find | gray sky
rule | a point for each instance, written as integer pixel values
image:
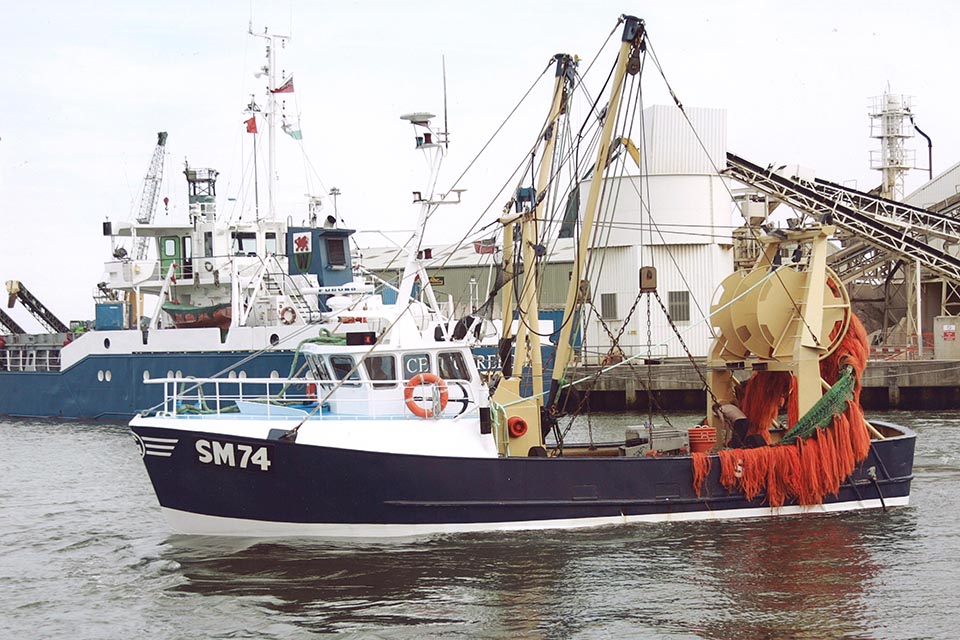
(86, 86)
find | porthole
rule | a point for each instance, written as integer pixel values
(100, 375)
(106, 343)
(243, 375)
(232, 375)
(169, 373)
(274, 374)
(274, 339)
(146, 376)
(108, 376)
(179, 373)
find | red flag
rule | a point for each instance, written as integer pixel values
(286, 87)
(251, 124)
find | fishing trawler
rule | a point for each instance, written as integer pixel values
(211, 295)
(392, 434)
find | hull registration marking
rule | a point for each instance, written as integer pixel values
(230, 454)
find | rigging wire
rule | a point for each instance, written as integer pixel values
(794, 302)
(579, 84)
(483, 148)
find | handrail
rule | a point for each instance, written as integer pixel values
(255, 285)
(191, 396)
(161, 297)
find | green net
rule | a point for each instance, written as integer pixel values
(833, 403)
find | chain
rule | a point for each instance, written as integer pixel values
(690, 357)
(649, 360)
(636, 374)
(647, 385)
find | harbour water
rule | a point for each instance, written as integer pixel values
(84, 554)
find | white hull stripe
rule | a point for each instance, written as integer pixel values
(160, 447)
(196, 524)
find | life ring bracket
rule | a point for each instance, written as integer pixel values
(420, 379)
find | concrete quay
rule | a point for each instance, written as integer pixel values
(887, 384)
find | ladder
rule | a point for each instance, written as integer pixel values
(296, 299)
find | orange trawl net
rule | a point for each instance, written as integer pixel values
(805, 470)
(701, 469)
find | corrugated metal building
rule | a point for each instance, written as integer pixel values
(941, 194)
(674, 214)
(464, 276)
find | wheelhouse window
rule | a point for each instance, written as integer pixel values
(414, 363)
(245, 243)
(342, 366)
(382, 370)
(187, 244)
(320, 371)
(170, 247)
(336, 252)
(452, 366)
(270, 243)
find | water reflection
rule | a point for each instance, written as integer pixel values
(451, 582)
(785, 577)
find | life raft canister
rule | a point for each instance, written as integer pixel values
(423, 379)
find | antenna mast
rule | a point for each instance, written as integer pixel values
(269, 70)
(446, 128)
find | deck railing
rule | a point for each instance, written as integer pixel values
(278, 397)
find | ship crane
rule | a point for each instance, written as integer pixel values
(151, 193)
(44, 316)
(9, 324)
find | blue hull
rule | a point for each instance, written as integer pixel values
(83, 391)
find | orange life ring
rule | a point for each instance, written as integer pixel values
(288, 315)
(312, 392)
(421, 379)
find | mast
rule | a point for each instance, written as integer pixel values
(632, 40)
(432, 145)
(270, 115)
(253, 109)
(528, 330)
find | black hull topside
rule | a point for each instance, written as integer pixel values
(315, 490)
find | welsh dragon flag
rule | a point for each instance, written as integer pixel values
(302, 250)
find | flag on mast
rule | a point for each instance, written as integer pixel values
(286, 87)
(251, 124)
(292, 131)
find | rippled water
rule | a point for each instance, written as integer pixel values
(84, 554)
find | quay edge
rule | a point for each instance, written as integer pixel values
(906, 384)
